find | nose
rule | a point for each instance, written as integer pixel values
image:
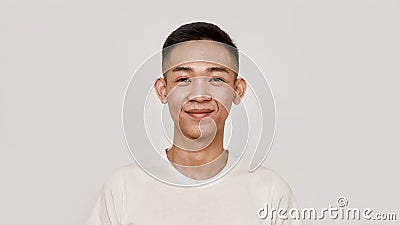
(200, 98)
(199, 91)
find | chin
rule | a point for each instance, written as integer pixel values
(192, 133)
(195, 133)
(194, 129)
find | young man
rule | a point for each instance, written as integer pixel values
(200, 83)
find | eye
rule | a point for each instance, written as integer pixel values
(216, 79)
(183, 80)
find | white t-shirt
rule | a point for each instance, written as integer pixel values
(132, 197)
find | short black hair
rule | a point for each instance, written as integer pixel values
(200, 31)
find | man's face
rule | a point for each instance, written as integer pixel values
(199, 90)
(200, 93)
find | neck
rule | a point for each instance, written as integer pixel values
(200, 164)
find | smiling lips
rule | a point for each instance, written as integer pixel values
(199, 113)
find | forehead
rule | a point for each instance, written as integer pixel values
(200, 67)
(200, 50)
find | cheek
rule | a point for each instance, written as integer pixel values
(223, 113)
(175, 99)
(224, 96)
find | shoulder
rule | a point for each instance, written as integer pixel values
(131, 169)
(123, 176)
(271, 179)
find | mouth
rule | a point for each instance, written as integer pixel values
(199, 113)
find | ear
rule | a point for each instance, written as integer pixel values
(160, 86)
(240, 88)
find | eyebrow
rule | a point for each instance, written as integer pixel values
(210, 69)
(218, 69)
(182, 68)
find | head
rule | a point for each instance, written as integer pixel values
(199, 93)
(199, 31)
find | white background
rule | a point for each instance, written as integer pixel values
(333, 67)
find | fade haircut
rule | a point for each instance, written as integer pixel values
(200, 31)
